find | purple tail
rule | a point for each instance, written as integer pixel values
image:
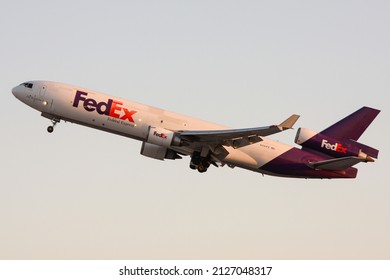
(352, 126)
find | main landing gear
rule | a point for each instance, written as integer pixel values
(50, 128)
(200, 163)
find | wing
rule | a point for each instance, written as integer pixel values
(235, 137)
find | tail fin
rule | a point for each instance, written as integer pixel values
(340, 139)
(352, 126)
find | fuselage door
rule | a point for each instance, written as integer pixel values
(42, 91)
(47, 99)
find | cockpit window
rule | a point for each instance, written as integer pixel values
(28, 85)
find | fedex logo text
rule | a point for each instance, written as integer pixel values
(337, 147)
(111, 108)
(161, 135)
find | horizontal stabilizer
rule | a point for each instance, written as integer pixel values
(337, 163)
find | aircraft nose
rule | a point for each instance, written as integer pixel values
(20, 91)
(16, 91)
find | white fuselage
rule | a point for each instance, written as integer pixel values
(133, 120)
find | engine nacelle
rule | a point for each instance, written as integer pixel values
(162, 137)
(333, 147)
(158, 142)
(158, 152)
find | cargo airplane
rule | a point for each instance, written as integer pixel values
(332, 153)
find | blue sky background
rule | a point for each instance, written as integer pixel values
(85, 194)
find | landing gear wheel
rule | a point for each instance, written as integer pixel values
(193, 166)
(200, 163)
(202, 169)
(54, 121)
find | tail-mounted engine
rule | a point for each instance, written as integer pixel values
(333, 147)
(158, 142)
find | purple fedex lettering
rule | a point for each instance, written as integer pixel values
(161, 135)
(109, 108)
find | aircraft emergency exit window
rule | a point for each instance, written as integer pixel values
(28, 85)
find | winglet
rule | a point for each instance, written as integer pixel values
(287, 124)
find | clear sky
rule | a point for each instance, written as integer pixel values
(80, 193)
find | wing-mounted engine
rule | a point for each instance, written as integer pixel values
(158, 152)
(158, 142)
(322, 143)
(162, 137)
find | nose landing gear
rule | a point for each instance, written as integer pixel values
(50, 128)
